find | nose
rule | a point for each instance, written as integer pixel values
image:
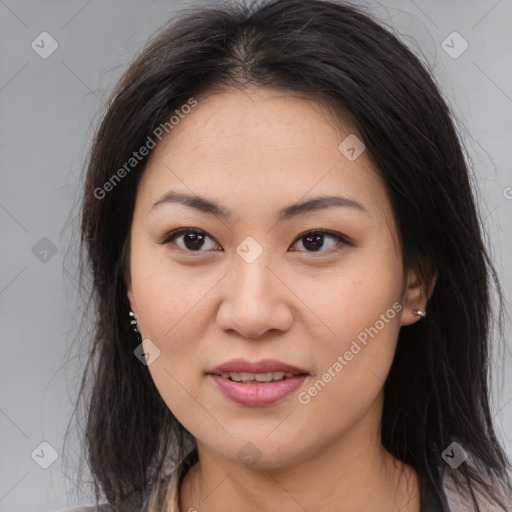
(255, 300)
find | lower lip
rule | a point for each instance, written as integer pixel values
(263, 393)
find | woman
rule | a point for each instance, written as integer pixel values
(292, 292)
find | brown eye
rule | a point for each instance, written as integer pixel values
(315, 241)
(194, 240)
(191, 240)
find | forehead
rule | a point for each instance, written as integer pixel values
(260, 146)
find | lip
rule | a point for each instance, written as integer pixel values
(261, 393)
(258, 394)
(264, 366)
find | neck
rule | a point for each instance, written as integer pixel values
(351, 474)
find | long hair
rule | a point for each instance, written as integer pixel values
(437, 391)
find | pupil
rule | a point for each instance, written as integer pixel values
(195, 239)
(317, 238)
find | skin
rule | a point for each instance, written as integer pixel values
(254, 152)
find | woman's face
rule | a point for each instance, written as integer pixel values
(251, 284)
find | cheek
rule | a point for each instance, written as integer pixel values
(171, 301)
(352, 298)
(360, 308)
(171, 305)
(351, 374)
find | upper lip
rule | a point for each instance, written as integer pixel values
(264, 366)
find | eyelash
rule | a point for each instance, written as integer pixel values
(172, 235)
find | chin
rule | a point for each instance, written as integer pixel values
(258, 452)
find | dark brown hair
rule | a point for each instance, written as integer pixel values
(437, 390)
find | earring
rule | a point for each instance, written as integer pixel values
(420, 313)
(133, 321)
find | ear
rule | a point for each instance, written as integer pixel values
(131, 297)
(417, 294)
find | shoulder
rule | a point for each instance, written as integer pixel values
(460, 500)
(171, 480)
(101, 508)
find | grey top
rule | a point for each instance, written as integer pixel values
(102, 508)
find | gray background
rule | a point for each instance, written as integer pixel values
(48, 109)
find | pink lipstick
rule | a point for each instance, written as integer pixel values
(255, 384)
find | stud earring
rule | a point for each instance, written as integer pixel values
(420, 313)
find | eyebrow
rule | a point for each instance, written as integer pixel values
(211, 207)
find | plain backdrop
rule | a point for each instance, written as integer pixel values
(49, 108)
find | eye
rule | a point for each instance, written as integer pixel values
(314, 240)
(193, 240)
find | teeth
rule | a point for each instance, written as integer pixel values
(256, 377)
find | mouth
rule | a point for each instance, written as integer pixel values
(256, 378)
(256, 384)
